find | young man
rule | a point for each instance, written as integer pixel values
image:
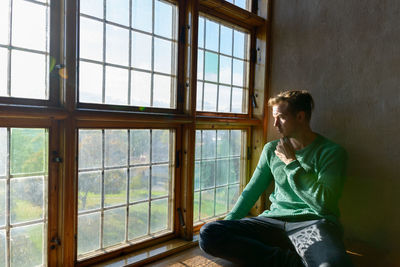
(301, 227)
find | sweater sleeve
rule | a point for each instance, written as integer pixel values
(260, 180)
(322, 189)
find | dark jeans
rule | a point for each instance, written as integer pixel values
(261, 241)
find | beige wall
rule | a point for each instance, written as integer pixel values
(347, 54)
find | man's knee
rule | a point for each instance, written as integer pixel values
(210, 236)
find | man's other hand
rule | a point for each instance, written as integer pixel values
(285, 151)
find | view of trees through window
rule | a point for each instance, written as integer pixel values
(218, 165)
(128, 52)
(124, 185)
(23, 191)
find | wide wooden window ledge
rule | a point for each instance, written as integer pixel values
(150, 254)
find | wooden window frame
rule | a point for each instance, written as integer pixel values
(62, 115)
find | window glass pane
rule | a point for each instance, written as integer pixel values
(142, 15)
(162, 91)
(210, 97)
(140, 88)
(225, 70)
(239, 43)
(200, 64)
(115, 187)
(159, 181)
(116, 152)
(235, 143)
(26, 198)
(226, 40)
(197, 176)
(221, 201)
(3, 151)
(234, 167)
(23, 197)
(3, 71)
(207, 178)
(159, 215)
(114, 226)
(201, 33)
(2, 204)
(241, 3)
(29, 25)
(140, 146)
(223, 143)
(136, 162)
(217, 172)
(222, 172)
(4, 22)
(226, 65)
(141, 50)
(118, 11)
(208, 144)
(28, 75)
(27, 245)
(238, 72)
(117, 45)
(207, 204)
(224, 97)
(116, 86)
(92, 7)
(233, 195)
(139, 183)
(163, 13)
(199, 143)
(138, 220)
(162, 56)
(160, 146)
(89, 190)
(212, 35)
(28, 151)
(90, 39)
(196, 206)
(88, 232)
(237, 100)
(199, 99)
(211, 67)
(90, 149)
(2, 248)
(90, 89)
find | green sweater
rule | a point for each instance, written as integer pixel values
(308, 187)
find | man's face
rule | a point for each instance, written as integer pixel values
(284, 121)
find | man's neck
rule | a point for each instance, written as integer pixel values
(303, 139)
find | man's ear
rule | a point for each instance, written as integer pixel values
(301, 116)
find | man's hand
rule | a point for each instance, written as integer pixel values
(285, 151)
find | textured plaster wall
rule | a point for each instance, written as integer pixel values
(347, 54)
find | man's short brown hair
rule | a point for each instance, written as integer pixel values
(298, 100)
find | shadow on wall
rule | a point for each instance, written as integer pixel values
(369, 210)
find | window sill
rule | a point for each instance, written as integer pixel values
(150, 254)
